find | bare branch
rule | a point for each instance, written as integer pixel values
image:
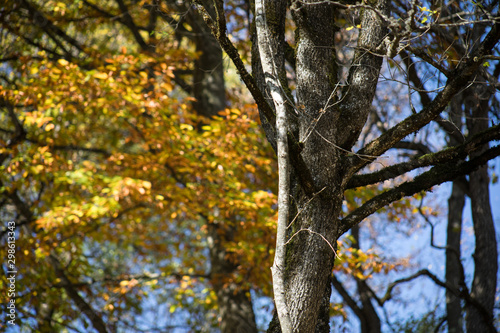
(48, 26)
(219, 31)
(462, 293)
(461, 77)
(444, 156)
(435, 176)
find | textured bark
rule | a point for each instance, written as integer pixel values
(313, 234)
(270, 16)
(309, 255)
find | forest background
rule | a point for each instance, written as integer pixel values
(143, 190)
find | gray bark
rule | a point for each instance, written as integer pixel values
(270, 16)
(313, 234)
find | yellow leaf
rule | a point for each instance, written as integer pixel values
(63, 62)
(101, 75)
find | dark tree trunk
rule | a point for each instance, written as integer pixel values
(484, 284)
(235, 306)
(454, 272)
(208, 74)
(485, 256)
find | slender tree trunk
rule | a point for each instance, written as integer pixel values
(453, 273)
(483, 290)
(486, 253)
(485, 257)
(456, 204)
(270, 16)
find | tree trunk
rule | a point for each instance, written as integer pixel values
(486, 254)
(208, 74)
(323, 128)
(454, 272)
(485, 257)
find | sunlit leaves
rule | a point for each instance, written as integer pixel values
(126, 178)
(361, 264)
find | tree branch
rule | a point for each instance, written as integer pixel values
(461, 293)
(443, 156)
(346, 297)
(461, 75)
(47, 25)
(417, 146)
(82, 305)
(424, 96)
(129, 23)
(428, 59)
(363, 74)
(218, 28)
(69, 147)
(435, 176)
